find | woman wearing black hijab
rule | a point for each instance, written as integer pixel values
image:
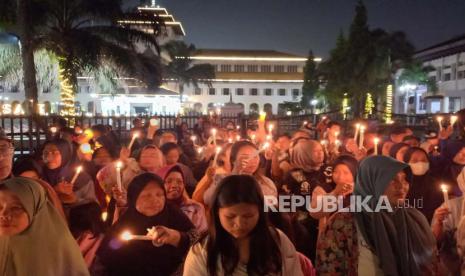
(59, 171)
(424, 192)
(147, 208)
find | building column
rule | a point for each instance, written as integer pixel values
(445, 105)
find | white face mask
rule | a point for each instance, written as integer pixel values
(419, 168)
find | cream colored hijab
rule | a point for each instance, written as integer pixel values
(46, 247)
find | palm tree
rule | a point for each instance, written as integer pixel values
(84, 35)
(181, 69)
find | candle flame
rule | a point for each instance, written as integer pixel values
(79, 169)
(444, 188)
(230, 140)
(135, 135)
(126, 236)
(213, 131)
(238, 137)
(305, 123)
(119, 164)
(376, 140)
(53, 129)
(199, 150)
(218, 149)
(357, 125)
(453, 119)
(193, 138)
(439, 118)
(104, 216)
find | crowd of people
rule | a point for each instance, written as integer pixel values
(191, 201)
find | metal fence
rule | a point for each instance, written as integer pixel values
(29, 132)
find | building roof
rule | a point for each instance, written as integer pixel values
(239, 54)
(446, 48)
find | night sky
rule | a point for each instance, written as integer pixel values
(296, 26)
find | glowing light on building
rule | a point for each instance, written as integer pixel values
(345, 105)
(388, 109)
(66, 94)
(369, 105)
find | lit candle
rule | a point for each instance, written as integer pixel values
(119, 165)
(262, 116)
(376, 140)
(199, 150)
(134, 137)
(214, 135)
(89, 133)
(193, 138)
(357, 129)
(440, 122)
(453, 120)
(253, 138)
(238, 137)
(270, 128)
(127, 236)
(104, 216)
(85, 148)
(230, 140)
(268, 137)
(362, 136)
(304, 123)
(238, 127)
(217, 152)
(78, 171)
(53, 130)
(445, 194)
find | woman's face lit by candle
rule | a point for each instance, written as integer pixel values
(151, 159)
(342, 175)
(151, 200)
(239, 219)
(174, 185)
(245, 155)
(13, 217)
(172, 157)
(459, 158)
(52, 156)
(397, 189)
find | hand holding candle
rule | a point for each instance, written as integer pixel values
(217, 152)
(76, 175)
(270, 129)
(127, 236)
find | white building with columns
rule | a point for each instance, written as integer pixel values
(448, 60)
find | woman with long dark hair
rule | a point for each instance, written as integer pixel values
(240, 239)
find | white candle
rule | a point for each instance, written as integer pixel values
(445, 194)
(453, 120)
(362, 136)
(78, 171)
(213, 131)
(376, 140)
(127, 236)
(440, 122)
(253, 138)
(134, 137)
(357, 129)
(119, 165)
(238, 137)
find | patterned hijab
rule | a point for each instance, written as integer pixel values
(301, 155)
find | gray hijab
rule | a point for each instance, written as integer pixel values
(402, 240)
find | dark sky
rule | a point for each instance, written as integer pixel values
(299, 25)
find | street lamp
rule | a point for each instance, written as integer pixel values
(313, 103)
